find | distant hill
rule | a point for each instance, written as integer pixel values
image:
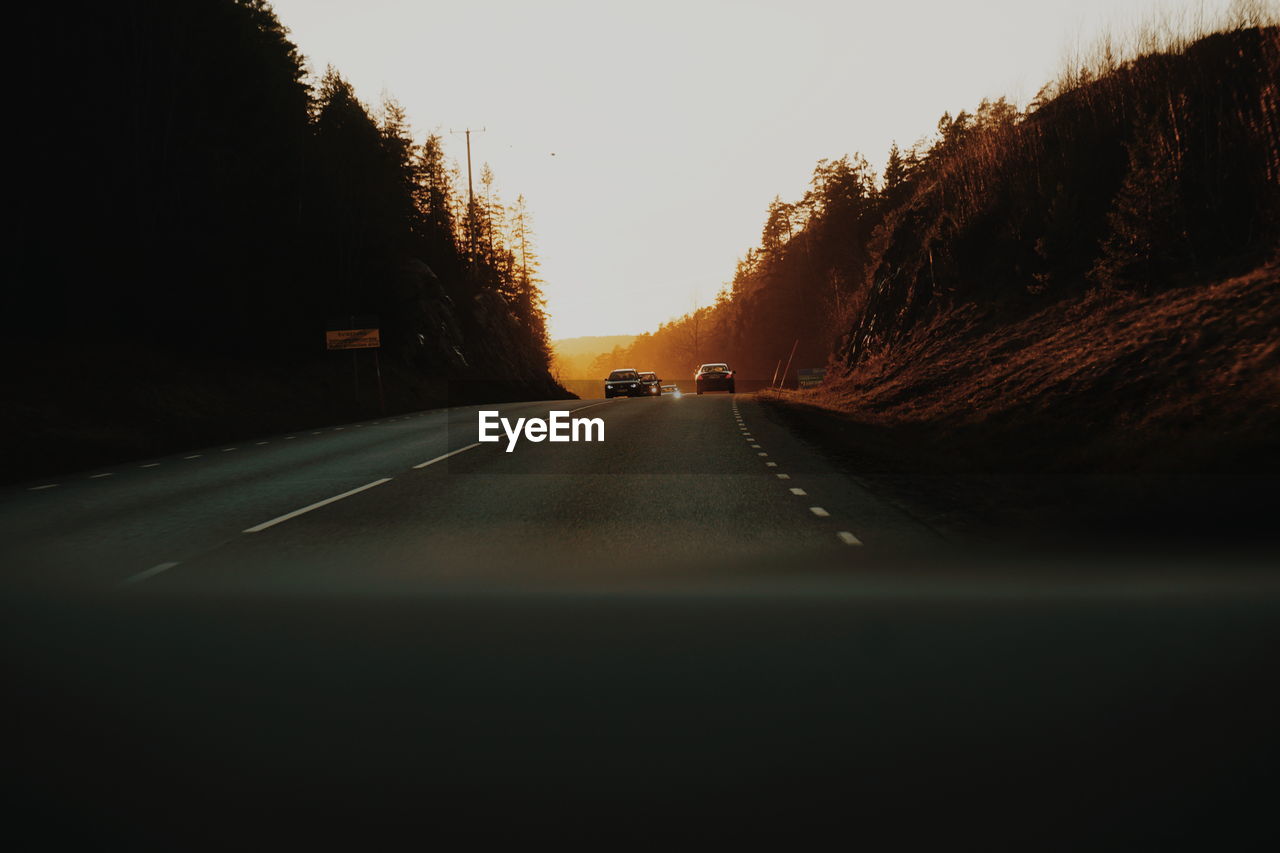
(591, 345)
(574, 360)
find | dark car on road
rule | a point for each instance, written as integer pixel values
(651, 381)
(624, 383)
(714, 377)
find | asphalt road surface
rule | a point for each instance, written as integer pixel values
(385, 627)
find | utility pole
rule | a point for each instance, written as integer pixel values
(788, 367)
(470, 194)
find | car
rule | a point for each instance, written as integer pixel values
(624, 382)
(714, 377)
(651, 381)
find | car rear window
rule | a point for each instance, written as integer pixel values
(622, 374)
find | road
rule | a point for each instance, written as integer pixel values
(685, 484)
(381, 626)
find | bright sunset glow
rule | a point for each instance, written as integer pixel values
(649, 138)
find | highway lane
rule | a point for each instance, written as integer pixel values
(592, 641)
(688, 483)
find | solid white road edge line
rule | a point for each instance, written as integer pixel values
(446, 456)
(297, 512)
(149, 573)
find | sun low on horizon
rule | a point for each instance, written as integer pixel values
(648, 139)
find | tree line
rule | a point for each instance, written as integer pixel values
(183, 186)
(1130, 174)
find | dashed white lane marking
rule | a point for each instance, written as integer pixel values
(756, 446)
(784, 476)
(799, 492)
(150, 465)
(338, 429)
(762, 454)
(447, 455)
(260, 443)
(771, 464)
(589, 405)
(149, 573)
(848, 538)
(45, 486)
(819, 511)
(99, 476)
(194, 456)
(316, 433)
(289, 437)
(229, 449)
(297, 512)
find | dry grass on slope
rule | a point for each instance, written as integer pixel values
(1107, 405)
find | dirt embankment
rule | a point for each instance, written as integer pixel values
(1111, 415)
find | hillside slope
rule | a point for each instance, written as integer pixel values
(1109, 413)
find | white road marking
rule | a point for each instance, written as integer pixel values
(150, 465)
(784, 476)
(149, 573)
(771, 464)
(589, 405)
(297, 512)
(799, 492)
(337, 429)
(819, 511)
(289, 437)
(45, 486)
(99, 476)
(315, 433)
(756, 446)
(446, 456)
(229, 449)
(762, 454)
(260, 443)
(848, 538)
(196, 456)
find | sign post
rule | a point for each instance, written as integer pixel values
(811, 377)
(357, 333)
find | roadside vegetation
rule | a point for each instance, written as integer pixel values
(1086, 284)
(196, 210)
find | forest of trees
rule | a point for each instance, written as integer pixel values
(1126, 174)
(184, 186)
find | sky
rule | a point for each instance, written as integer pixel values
(648, 138)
